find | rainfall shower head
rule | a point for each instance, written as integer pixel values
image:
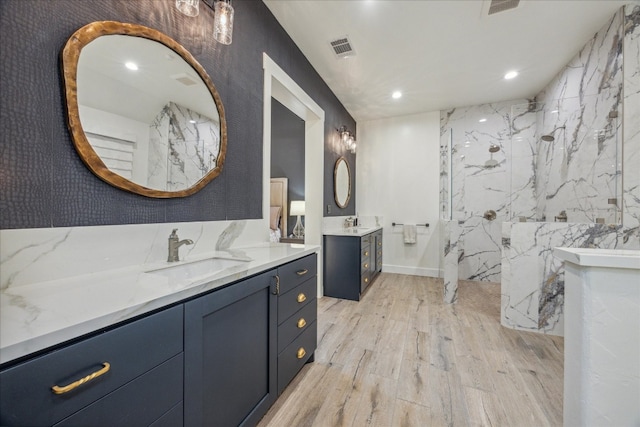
(549, 137)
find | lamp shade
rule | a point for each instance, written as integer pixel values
(297, 208)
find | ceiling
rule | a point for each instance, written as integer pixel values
(439, 53)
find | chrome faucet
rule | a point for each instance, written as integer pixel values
(174, 244)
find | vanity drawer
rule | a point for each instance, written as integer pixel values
(295, 355)
(365, 265)
(296, 272)
(364, 281)
(366, 252)
(130, 404)
(296, 298)
(296, 324)
(365, 240)
(131, 350)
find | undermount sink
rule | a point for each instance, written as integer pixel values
(202, 268)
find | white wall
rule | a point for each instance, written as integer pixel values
(398, 179)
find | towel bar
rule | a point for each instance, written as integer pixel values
(393, 224)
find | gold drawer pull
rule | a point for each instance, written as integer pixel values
(67, 388)
(366, 265)
(301, 352)
(302, 323)
(379, 243)
(302, 272)
(366, 280)
(366, 253)
(302, 297)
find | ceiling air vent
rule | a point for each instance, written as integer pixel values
(185, 79)
(342, 47)
(497, 6)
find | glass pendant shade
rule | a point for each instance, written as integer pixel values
(188, 7)
(223, 22)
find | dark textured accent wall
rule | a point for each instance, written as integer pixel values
(287, 152)
(43, 182)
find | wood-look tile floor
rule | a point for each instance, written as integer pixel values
(401, 357)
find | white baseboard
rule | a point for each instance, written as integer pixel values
(412, 271)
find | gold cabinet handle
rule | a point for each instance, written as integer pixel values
(302, 297)
(366, 280)
(67, 388)
(302, 323)
(366, 265)
(302, 272)
(366, 253)
(379, 243)
(277, 292)
(301, 352)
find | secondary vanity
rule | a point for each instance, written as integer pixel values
(352, 260)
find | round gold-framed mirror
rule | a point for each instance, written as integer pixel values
(143, 114)
(342, 183)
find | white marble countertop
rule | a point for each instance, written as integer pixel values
(351, 231)
(612, 258)
(37, 316)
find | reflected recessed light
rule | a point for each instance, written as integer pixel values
(192, 121)
(482, 120)
(510, 75)
(131, 65)
(397, 94)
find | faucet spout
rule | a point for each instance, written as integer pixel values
(174, 244)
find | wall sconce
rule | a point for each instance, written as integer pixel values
(347, 138)
(223, 16)
(298, 208)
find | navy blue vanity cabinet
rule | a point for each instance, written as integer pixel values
(350, 264)
(297, 314)
(230, 358)
(141, 366)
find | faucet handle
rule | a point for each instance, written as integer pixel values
(174, 234)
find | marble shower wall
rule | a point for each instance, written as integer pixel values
(483, 181)
(533, 279)
(183, 147)
(631, 128)
(581, 170)
(534, 179)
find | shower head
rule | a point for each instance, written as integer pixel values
(549, 137)
(493, 148)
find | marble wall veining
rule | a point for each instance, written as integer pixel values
(533, 278)
(530, 179)
(183, 147)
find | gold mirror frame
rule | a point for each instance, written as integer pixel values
(335, 183)
(70, 58)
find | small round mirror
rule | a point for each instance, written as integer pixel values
(342, 183)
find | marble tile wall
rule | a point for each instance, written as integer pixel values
(37, 255)
(183, 147)
(533, 180)
(631, 128)
(532, 295)
(451, 235)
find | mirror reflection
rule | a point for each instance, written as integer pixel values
(342, 183)
(148, 117)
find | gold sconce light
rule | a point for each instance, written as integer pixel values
(348, 138)
(223, 16)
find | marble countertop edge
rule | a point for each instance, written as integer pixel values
(37, 316)
(351, 231)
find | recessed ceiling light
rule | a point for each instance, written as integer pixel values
(397, 94)
(510, 75)
(131, 65)
(482, 120)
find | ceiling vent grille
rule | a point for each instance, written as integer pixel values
(497, 6)
(342, 47)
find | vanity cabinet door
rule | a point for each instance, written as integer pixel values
(342, 267)
(230, 354)
(134, 354)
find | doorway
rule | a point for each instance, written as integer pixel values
(278, 85)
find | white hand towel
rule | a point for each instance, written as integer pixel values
(409, 232)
